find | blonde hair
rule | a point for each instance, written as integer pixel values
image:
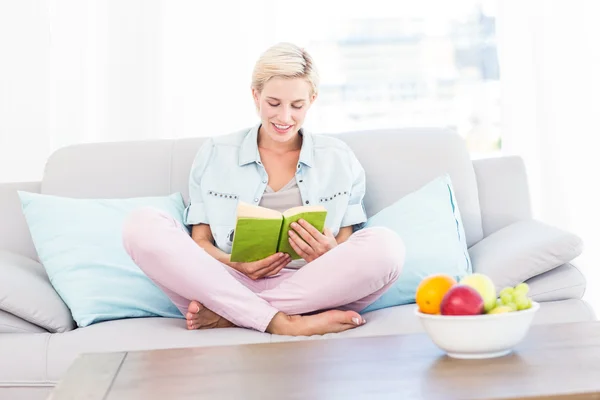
(285, 60)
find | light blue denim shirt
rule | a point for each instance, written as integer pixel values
(228, 169)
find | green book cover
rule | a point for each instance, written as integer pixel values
(261, 232)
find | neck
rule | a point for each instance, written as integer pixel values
(264, 141)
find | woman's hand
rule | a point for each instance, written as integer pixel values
(263, 268)
(308, 242)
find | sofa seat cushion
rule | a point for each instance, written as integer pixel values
(564, 282)
(402, 320)
(138, 334)
(42, 358)
(26, 393)
(23, 358)
(10, 323)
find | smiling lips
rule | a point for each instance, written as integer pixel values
(282, 128)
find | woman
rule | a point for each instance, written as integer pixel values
(276, 165)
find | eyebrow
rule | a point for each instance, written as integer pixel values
(276, 99)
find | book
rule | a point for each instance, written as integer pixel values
(261, 232)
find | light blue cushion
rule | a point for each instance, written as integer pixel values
(428, 221)
(79, 242)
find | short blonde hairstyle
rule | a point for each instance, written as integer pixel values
(285, 60)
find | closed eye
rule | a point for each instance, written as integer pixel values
(277, 105)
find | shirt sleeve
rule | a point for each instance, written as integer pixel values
(195, 213)
(356, 215)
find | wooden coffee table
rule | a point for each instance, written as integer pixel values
(554, 362)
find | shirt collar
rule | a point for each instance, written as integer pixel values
(249, 148)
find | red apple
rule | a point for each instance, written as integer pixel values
(462, 300)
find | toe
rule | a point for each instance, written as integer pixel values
(196, 319)
(353, 318)
(194, 307)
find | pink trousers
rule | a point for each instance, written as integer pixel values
(349, 277)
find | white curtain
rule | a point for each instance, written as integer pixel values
(79, 71)
(549, 65)
(152, 69)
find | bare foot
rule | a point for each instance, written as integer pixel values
(319, 324)
(200, 317)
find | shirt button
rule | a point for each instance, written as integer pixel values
(301, 180)
(306, 201)
(256, 200)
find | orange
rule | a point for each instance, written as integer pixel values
(431, 291)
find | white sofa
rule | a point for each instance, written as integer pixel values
(39, 340)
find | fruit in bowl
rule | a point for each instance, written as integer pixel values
(431, 291)
(471, 320)
(462, 300)
(484, 286)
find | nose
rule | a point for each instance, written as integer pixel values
(286, 115)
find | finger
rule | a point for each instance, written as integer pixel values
(305, 247)
(299, 246)
(265, 262)
(305, 234)
(278, 269)
(284, 260)
(272, 270)
(281, 263)
(314, 232)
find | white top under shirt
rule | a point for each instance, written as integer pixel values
(286, 197)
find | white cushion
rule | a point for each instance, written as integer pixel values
(26, 292)
(523, 250)
(10, 323)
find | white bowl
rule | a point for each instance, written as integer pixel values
(478, 336)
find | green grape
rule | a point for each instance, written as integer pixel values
(523, 302)
(499, 303)
(507, 290)
(522, 288)
(506, 297)
(512, 305)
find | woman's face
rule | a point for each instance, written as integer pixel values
(282, 106)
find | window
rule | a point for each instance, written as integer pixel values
(408, 65)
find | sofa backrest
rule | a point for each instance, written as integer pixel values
(396, 162)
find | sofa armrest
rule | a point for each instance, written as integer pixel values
(523, 250)
(561, 283)
(26, 292)
(503, 192)
(14, 232)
